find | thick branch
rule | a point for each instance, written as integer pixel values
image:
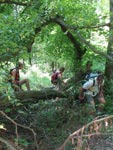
(60, 21)
(65, 27)
(37, 30)
(84, 27)
(79, 50)
(93, 48)
(39, 95)
(32, 96)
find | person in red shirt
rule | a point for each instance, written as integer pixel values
(16, 82)
(57, 80)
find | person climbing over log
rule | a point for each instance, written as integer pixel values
(92, 90)
(57, 80)
(15, 78)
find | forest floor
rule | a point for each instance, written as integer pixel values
(46, 126)
(102, 143)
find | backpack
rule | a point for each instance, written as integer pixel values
(54, 76)
(9, 76)
(90, 76)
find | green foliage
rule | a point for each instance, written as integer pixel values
(77, 13)
(51, 47)
(6, 9)
(22, 141)
(33, 27)
(97, 61)
(109, 94)
(18, 29)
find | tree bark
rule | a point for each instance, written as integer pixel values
(39, 95)
(109, 64)
(33, 96)
(79, 50)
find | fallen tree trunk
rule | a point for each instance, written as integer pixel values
(39, 95)
(31, 96)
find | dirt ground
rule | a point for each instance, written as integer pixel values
(101, 143)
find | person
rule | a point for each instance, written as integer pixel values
(57, 80)
(92, 90)
(83, 73)
(88, 68)
(15, 78)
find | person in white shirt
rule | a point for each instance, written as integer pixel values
(92, 90)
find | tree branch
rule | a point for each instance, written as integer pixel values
(61, 21)
(81, 130)
(7, 144)
(22, 126)
(67, 27)
(93, 48)
(80, 51)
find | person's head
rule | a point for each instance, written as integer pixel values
(20, 65)
(88, 64)
(100, 78)
(62, 69)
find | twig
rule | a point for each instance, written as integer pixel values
(17, 124)
(7, 143)
(76, 133)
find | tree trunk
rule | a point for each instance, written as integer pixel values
(109, 65)
(32, 96)
(39, 95)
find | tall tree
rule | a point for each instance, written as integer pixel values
(109, 64)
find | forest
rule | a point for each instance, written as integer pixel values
(45, 35)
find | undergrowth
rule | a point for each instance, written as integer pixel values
(52, 120)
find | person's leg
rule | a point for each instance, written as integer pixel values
(102, 102)
(91, 104)
(54, 84)
(59, 84)
(26, 82)
(16, 87)
(90, 99)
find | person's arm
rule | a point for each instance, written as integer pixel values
(101, 91)
(84, 88)
(60, 78)
(101, 88)
(13, 76)
(81, 93)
